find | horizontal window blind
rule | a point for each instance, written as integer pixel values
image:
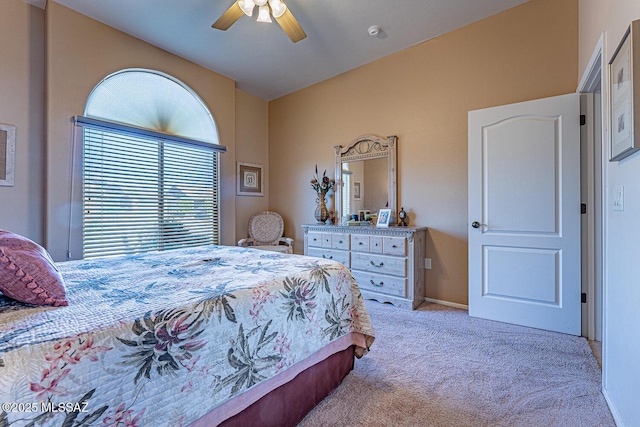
(143, 193)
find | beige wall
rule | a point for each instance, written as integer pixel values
(604, 16)
(423, 94)
(21, 105)
(621, 336)
(252, 146)
(79, 53)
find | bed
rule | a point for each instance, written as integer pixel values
(192, 337)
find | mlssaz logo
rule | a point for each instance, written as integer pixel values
(64, 407)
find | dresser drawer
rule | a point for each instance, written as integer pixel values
(396, 266)
(364, 243)
(375, 244)
(380, 283)
(340, 256)
(340, 241)
(394, 246)
(359, 243)
(314, 239)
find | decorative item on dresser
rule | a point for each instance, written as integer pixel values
(402, 215)
(384, 215)
(387, 263)
(322, 186)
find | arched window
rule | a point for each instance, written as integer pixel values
(150, 166)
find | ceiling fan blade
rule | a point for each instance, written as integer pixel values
(229, 17)
(290, 26)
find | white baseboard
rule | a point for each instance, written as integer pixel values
(612, 408)
(447, 303)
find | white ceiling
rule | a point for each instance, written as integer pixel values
(260, 57)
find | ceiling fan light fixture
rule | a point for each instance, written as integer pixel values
(277, 8)
(263, 14)
(247, 6)
(266, 9)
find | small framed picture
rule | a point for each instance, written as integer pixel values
(249, 180)
(384, 215)
(356, 190)
(7, 154)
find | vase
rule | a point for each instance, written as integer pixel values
(322, 213)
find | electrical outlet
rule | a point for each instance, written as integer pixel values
(618, 198)
(427, 263)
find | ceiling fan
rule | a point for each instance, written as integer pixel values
(266, 9)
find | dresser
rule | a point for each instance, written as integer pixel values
(387, 263)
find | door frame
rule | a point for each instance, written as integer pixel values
(594, 77)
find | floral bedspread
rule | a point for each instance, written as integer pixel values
(163, 338)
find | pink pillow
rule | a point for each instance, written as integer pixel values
(27, 272)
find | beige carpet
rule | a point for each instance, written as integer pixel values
(439, 367)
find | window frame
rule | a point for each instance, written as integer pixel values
(204, 134)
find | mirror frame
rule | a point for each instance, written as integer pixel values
(363, 148)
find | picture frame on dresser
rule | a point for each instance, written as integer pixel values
(624, 88)
(384, 216)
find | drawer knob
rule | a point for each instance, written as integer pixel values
(360, 243)
(339, 241)
(381, 284)
(394, 246)
(376, 265)
(327, 257)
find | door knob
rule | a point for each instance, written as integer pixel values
(476, 224)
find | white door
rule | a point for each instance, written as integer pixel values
(524, 214)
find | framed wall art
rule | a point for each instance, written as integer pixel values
(249, 179)
(624, 87)
(356, 190)
(7, 155)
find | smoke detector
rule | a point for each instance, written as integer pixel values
(374, 30)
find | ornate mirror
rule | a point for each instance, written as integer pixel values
(366, 175)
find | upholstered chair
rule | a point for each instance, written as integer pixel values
(265, 232)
